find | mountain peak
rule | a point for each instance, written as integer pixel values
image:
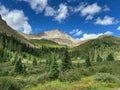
(54, 31)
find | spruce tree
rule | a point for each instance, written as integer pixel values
(99, 59)
(34, 62)
(66, 61)
(110, 57)
(54, 72)
(19, 66)
(87, 61)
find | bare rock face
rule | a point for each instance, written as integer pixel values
(54, 35)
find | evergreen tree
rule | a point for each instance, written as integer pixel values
(66, 61)
(47, 61)
(34, 62)
(110, 57)
(18, 66)
(99, 59)
(87, 61)
(54, 72)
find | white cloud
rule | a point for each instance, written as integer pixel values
(90, 10)
(105, 21)
(37, 5)
(106, 8)
(76, 32)
(118, 28)
(94, 36)
(87, 10)
(108, 33)
(49, 11)
(16, 19)
(79, 7)
(62, 13)
(89, 17)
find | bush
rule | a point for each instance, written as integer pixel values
(9, 84)
(3, 73)
(44, 78)
(106, 77)
(105, 69)
(70, 76)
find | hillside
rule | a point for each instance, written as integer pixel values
(4, 28)
(44, 42)
(102, 45)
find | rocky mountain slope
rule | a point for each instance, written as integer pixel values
(53, 35)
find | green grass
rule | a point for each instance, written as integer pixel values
(44, 42)
(87, 83)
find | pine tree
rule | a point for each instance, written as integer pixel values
(110, 57)
(47, 61)
(19, 66)
(54, 72)
(87, 61)
(66, 61)
(34, 62)
(99, 59)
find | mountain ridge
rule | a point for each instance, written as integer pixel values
(55, 35)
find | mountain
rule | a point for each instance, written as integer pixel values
(102, 44)
(53, 35)
(4, 28)
(104, 40)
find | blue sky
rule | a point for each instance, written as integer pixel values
(81, 19)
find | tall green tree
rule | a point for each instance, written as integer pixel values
(110, 57)
(34, 62)
(54, 72)
(66, 61)
(87, 61)
(99, 59)
(19, 67)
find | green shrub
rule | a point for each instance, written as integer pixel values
(3, 73)
(87, 71)
(105, 69)
(43, 78)
(9, 84)
(106, 77)
(71, 75)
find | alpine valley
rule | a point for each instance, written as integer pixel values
(53, 60)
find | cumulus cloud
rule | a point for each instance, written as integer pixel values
(79, 7)
(94, 36)
(90, 9)
(105, 21)
(118, 28)
(108, 33)
(37, 5)
(49, 11)
(15, 19)
(106, 8)
(62, 13)
(86, 10)
(76, 32)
